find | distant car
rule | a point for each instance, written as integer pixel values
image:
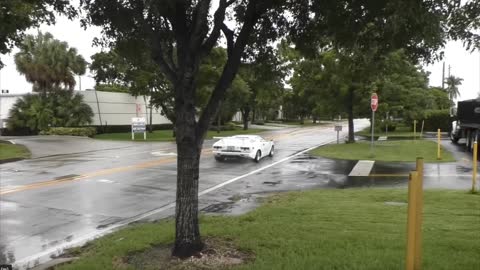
(245, 146)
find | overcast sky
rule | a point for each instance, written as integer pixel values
(463, 64)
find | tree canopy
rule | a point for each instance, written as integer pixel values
(16, 16)
(49, 63)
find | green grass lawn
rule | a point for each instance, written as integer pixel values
(401, 150)
(322, 229)
(13, 151)
(166, 135)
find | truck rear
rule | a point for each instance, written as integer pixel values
(468, 123)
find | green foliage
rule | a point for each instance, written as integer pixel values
(452, 86)
(58, 109)
(83, 131)
(48, 63)
(437, 119)
(111, 88)
(380, 126)
(16, 16)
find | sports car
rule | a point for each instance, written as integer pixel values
(245, 146)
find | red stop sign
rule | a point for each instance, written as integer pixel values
(374, 102)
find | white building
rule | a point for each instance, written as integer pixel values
(109, 108)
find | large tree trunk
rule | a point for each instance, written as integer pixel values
(187, 231)
(254, 114)
(245, 114)
(351, 128)
(189, 145)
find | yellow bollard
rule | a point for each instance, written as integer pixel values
(439, 151)
(418, 216)
(475, 162)
(411, 221)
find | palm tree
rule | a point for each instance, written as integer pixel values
(36, 113)
(452, 86)
(49, 63)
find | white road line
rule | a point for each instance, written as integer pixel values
(24, 262)
(362, 168)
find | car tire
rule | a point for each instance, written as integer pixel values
(258, 156)
(219, 158)
(469, 138)
(453, 138)
(272, 151)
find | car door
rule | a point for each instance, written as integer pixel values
(265, 147)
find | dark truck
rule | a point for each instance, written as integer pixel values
(468, 123)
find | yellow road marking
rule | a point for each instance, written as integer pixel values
(143, 165)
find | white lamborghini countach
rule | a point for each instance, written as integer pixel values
(246, 146)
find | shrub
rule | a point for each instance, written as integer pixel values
(128, 128)
(72, 131)
(58, 109)
(436, 119)
(382, 125)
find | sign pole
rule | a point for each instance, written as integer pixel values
(373, 106)
(373, 128)
(474, 171)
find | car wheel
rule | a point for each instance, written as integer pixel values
(272, 151)
(258, 156)
(219, 158)
(453, 138)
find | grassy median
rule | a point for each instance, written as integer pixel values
(12, 152)
(398, 151)
(320, 229)
(167, 135)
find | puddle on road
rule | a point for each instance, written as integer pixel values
(236, 205)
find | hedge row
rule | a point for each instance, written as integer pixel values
(78, 131)
(436, 119)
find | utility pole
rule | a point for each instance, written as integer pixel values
(80, 82)
(449, 68)
(443, 76)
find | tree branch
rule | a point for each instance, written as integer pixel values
(200, 24)
(230, 69)
(219, 17)
(229, 36)
(159, 58)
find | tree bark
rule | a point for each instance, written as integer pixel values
(189, 145)
(351, 128)
(187, 233)
(245, 114)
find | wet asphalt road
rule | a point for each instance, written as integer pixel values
(75, 189)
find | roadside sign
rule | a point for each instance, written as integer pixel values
(338, 128)
(139, 126)
(374, 102)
